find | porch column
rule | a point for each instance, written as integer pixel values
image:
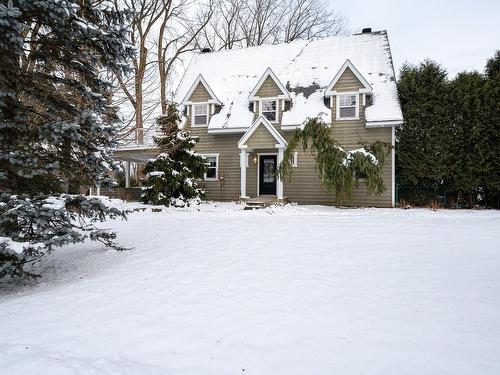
(127, 173)
(98, 189)
(279, 181)
(243, 167)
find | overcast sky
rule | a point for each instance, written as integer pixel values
(459, 34)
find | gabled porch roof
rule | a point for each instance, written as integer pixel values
(262, 121)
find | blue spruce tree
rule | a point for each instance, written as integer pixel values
(56, 123)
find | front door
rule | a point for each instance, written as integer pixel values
(267, 175)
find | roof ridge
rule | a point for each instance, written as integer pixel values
(283, 44)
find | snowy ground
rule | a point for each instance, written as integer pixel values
(293, 290)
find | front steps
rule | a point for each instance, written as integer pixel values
(262, 201)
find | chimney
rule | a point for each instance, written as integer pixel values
(366, 30)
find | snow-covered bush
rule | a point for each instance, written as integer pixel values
(171, 176)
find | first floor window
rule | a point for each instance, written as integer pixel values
(200, 114)
(269, 110)
(212, 166)
(348, 106)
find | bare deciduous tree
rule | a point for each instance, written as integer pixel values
(261, 22)
(162, 31)
(246, 23)
(223, 30)
(146, 14)
(178, 34)
(310, 19)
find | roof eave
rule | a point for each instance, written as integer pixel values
(384, 123)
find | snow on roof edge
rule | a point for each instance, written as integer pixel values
(234, 73)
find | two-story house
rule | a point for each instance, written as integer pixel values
(244, 104)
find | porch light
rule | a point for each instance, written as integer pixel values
(255, 159)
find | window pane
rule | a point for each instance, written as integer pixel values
(271, 116)
(200, 109)
(269, 170)
(200, 120)
(211, 172)
(212, 161)
(348, 112)
(269, 106)
(347, 100)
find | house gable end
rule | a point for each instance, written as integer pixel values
(200, 94)
(200, 91)
(261, 138)
(262, 135)
(348, 78)
(348, 82)
(269, 86)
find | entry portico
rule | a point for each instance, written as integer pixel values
(262, 138)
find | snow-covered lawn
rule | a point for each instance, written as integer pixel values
(293, 290)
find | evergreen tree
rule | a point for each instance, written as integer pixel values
(469, 139)
(171, 176)
(422, 143)
(56, 124)
(339, 170)
(492, 183)
(447, 149)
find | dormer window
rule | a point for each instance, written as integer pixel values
(200, 114)
(269, 109)
(347, 106)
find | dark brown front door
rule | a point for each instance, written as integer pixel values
(267, 175)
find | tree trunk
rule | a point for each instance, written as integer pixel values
(139, 80)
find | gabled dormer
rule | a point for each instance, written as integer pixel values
(347, 92)
(268, 97)
(200, 102)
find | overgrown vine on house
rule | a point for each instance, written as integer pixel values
(339, 170)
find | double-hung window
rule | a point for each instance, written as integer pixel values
(269, 110)
(200, 115)
(211, 173)
(347, 106)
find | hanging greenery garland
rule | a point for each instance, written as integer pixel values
(339, 170)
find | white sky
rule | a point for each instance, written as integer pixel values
(459, 34)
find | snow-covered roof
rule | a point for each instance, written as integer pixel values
(306, 68)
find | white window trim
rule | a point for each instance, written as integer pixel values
(295, 159)
(337, 109)
(193, 114)
(216, 167)
(277, 109)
